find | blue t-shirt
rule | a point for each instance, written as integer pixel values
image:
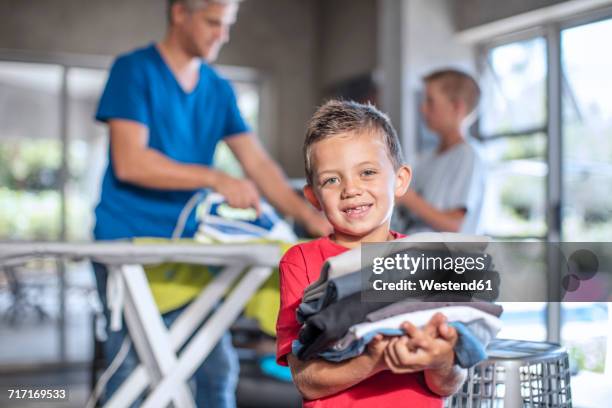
(183, 126)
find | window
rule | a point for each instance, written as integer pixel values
(33, 193)
(51, 158)
(513, 131)
(30, 151)
(86, 151)
(587, 132)
(587, 168)
(247, 86)
(524, 138)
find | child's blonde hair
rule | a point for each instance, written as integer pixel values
(457, 85)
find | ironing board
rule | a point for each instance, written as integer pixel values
(162, 369)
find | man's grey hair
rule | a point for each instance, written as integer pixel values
(193, 5)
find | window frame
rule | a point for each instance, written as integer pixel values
(551, 32)
(482, 63)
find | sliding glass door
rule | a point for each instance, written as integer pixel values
(546, 130)
(587, 180)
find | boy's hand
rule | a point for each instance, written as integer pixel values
(430, 348)
(376, 351)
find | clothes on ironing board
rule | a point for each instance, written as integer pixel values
(469, 349)
(350, 261)
(218, 222)
(491, 324)
(331, 323)
(409, 305)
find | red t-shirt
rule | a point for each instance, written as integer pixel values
(301, 266)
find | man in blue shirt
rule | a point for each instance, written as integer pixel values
(166, 110)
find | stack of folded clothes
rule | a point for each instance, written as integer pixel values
(338, 325)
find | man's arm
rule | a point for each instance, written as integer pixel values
(449, 220)
(136, 163)
(319, 378)
(270, 179)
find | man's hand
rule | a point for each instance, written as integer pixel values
(430, 348)
(239, 193)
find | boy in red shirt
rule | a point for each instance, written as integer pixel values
(354, 171)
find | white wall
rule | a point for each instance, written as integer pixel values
(472, 13)
(416, 36)
(347, 39)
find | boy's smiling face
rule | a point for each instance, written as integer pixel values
(355, 184)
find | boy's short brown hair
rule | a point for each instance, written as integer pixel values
(457, 85)
(339, 116)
